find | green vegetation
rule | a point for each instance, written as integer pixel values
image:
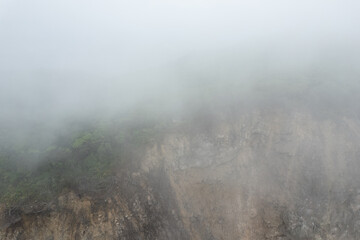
(81, 158)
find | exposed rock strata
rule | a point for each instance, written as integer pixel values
(261, 175)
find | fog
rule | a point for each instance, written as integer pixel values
(59, 58)
(199, 65)
(78, 60)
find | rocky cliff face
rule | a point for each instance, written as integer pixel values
(257, 175)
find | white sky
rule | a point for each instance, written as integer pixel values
(61, 54)
(117, 36)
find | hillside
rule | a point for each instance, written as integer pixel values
(255, 174)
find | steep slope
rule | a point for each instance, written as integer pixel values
(260, 174)
(268, 175)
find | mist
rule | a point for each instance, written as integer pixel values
(256, 101)
(64, 57)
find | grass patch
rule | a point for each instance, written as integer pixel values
(78, 159)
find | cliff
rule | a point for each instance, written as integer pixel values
(259, 174)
